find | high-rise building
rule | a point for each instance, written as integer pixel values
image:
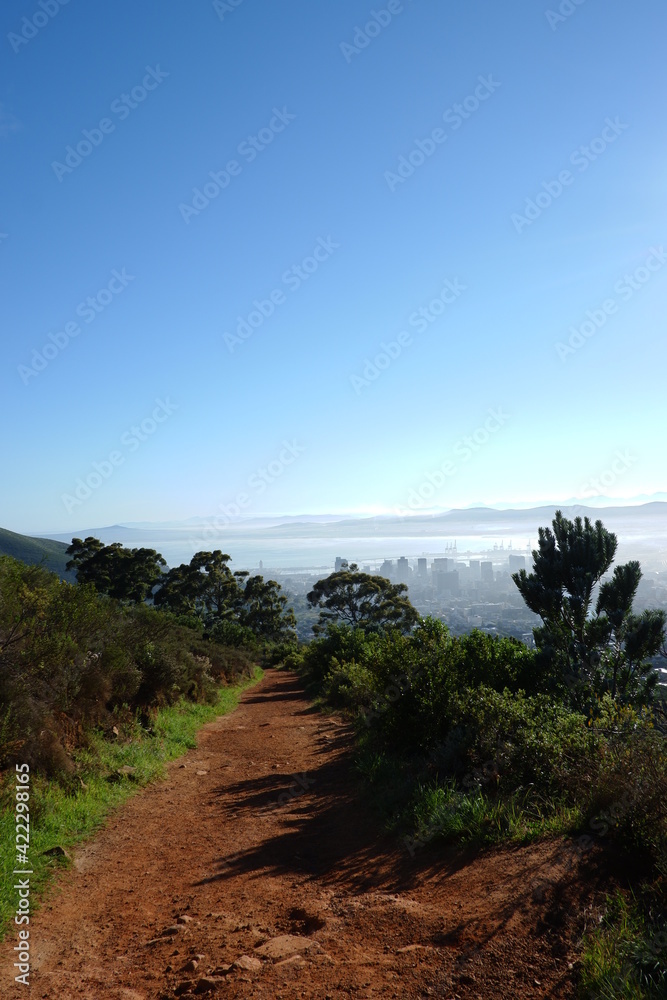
(486, 571)
(517, 563)
(422, 567)
(475, 573)
(402, 570)
(387, 568)
(340, 564)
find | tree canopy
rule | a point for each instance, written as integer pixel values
(236, 607)
(598, 648)
(126, 574)
(207, 588)
(362, 600)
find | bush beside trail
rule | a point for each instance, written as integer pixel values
(481, 739)
(73, 661)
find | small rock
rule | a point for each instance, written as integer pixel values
(183, 987)
(247, 962)
(191, 966)
(174, 929)
(202, 772)
(285, 945)
(183, 918)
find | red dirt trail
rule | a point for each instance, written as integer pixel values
(256, 870)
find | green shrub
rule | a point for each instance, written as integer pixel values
(72, 659)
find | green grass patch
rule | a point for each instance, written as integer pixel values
(444, 811)
(64, 816)
(625, 958)
(422, 810)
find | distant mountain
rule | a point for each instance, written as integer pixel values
(36, 550)
(646, 519)
(649, 519)
(237, 521)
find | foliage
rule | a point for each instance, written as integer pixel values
(243, 607)
(467, 715)
(625, 958)
(362, 600)
(205, 586)
(261, 608)
(70, 658)
(125, 574)
(584, 651)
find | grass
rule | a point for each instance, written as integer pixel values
(63, 817)
(445, 811)
(625, 958)
(430, 811)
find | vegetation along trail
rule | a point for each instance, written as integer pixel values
(254, 870)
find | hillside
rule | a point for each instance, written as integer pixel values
(35, 550)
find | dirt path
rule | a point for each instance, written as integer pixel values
(258, 856)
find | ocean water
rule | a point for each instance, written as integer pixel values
(279, 550)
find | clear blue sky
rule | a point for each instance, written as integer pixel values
(340, 108)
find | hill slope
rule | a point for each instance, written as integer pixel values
(35, 550)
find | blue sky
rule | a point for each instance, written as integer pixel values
(365, 197)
